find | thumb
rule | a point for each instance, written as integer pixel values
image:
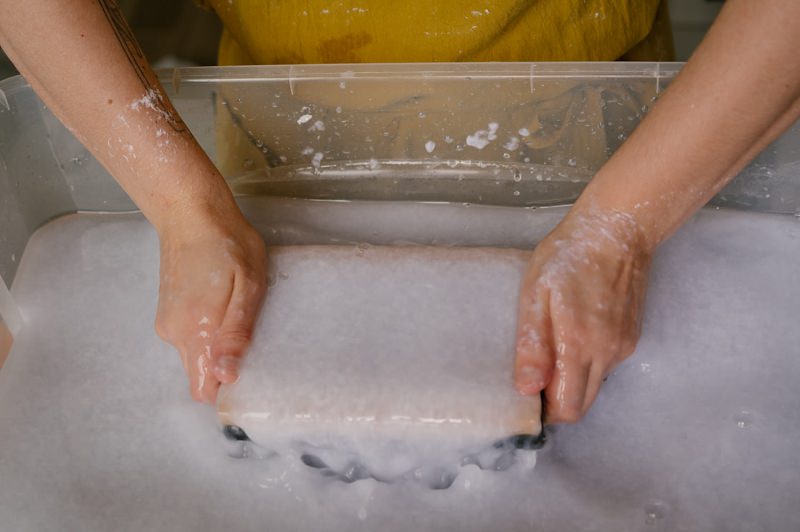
(236, 330)
(534, 360)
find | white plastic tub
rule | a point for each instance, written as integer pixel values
(697, 431)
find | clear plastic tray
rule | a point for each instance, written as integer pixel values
(494, 133)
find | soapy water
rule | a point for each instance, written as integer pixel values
(339, 464)
(441, 181)
(99, 432)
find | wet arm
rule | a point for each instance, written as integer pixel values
(83, 61)
(738, 92)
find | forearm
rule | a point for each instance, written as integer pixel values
(82, 59)
(738, 92)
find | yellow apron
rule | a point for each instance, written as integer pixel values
(376, 31)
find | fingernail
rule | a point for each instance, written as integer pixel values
(530, 380)
(227, 368)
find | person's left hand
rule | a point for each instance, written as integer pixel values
(580, 309)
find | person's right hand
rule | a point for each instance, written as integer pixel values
(213, 282)
(580, 309)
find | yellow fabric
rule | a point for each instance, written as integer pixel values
(353, 31)
(316, 31)
(659, 44)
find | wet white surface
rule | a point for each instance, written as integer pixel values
(698, 431)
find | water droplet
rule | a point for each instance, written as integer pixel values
(654, 512)
(516, 192)
(572, 162)
(743, 419)
(517, 174)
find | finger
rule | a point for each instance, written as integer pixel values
(534, 357)
(197, 333)
(566, 393)
(597, 373)
(189, 364)
(202, 381)
(610, 348)
(182, 352)
(234, 334)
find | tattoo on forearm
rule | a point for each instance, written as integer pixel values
(154, 97)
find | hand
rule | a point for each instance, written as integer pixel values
(580, 309)
(213, 281)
